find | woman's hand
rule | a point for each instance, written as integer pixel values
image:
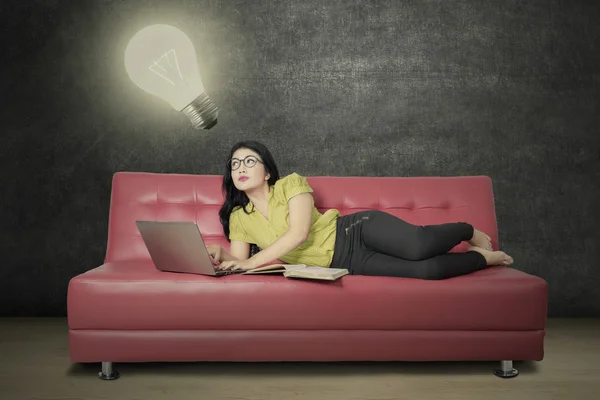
(237, 264)
(214, 250)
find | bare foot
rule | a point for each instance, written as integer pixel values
(481, 240)
(493, 257)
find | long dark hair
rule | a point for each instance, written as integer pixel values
(235, 197)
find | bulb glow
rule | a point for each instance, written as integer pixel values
(161, 60)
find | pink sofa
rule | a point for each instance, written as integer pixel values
(127, 311)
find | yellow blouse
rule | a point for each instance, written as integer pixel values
(317, 250)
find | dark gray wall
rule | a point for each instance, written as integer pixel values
(507, 89)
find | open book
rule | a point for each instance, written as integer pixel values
(300, 271)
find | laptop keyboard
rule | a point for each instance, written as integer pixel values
(228, 272)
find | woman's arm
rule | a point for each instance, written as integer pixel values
(237, 251)
(300, 221)
(282, 246)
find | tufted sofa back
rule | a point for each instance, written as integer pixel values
(179, 197)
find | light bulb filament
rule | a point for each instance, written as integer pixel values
(168, 70)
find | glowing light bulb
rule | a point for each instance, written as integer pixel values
(161, 60)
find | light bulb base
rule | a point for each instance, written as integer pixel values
(202, 112)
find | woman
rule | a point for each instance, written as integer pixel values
(258, 204)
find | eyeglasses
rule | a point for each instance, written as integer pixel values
(250, 162)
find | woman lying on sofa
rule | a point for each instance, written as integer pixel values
(373, 242)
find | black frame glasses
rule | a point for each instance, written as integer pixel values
(244, 160)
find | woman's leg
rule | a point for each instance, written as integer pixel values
(388, 234)
(438, 267)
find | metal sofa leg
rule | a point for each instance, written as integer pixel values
(506, 370)
(108, 374)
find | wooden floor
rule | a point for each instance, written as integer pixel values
(34, 364)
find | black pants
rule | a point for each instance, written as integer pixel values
(377, 243)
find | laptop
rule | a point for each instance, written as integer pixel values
(178, 247)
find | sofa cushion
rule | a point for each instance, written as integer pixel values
(133, 295)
